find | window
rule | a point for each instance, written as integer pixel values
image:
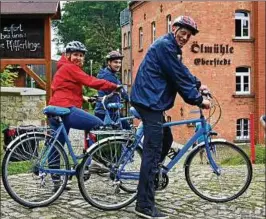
(242, 129)
(129, 77)
(242, 25)
(242, 80)
(140, 38)
(168, 23)
(153, 32)
(125, 39)
(128, 39)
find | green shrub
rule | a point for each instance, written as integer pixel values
(8, 77)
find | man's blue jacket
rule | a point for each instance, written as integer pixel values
(162, 75)
(108, 75)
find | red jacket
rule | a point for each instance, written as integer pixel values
(68, 81)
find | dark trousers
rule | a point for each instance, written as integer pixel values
(157, 142)
(77, 119)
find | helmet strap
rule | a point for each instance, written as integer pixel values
(110, 68)
(177, 29)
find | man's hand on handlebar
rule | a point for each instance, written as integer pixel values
(206, 104)
(203, 87)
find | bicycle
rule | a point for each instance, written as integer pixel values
(225, 176)
(36, 167)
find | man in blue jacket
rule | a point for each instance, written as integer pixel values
(114, 62)
(160, 77)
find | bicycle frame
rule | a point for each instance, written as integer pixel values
(202, 131)
(61, 129)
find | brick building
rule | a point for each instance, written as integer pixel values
(228, 55)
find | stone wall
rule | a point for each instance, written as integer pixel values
(22, 106)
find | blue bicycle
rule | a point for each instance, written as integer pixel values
(216, 170)
(36, 167)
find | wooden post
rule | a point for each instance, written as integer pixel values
(47, 55)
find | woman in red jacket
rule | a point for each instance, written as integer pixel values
(67, 91)
(67, 88)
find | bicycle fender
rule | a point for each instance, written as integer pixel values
(24, 136)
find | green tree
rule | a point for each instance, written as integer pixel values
(8, 77)
(94, 23)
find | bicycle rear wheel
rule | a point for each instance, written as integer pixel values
(235, 177)
(23, 178)
(105, 187)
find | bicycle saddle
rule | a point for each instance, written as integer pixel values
(56, 111)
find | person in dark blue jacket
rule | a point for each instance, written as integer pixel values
(114, 62)
(160, 76)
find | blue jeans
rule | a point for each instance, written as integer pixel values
(125, 124)
(77, 119)
(157, 142)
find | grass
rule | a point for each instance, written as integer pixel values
(19, 167)
(259, 158)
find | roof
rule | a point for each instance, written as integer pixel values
(19, 7)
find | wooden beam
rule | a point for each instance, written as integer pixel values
(47, 55)
(2, 67)
(4, 62)
(31, 73)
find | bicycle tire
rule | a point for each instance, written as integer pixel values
(23, 180)
(101, 190)
(235, 169)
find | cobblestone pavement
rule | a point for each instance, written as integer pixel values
(177, 200)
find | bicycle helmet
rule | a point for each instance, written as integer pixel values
(186, 22)
(114, 55)
(76, 46)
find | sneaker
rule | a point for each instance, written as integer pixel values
(56, 181)
(68, 185)
(56, 187)
(96, 167)
(149, 214)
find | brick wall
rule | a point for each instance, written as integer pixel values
(260, 65)
(216, 21)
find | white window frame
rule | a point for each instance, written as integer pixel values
(140, 38)
(168, 23)
(153, 31)
(240, 123)
(125, 40)
(242, 75)
(243, 19)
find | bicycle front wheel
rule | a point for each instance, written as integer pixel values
(25, 171)
(235, 177)
(108, 176)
